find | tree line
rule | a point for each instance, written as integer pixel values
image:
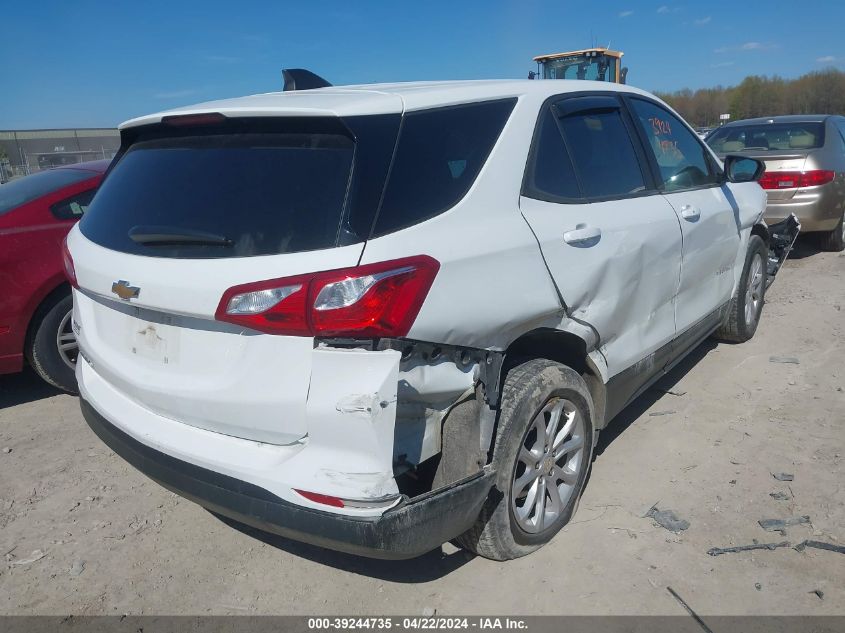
(821, 92)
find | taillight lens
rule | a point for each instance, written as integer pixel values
(796, 179)
(374, 300)
(67, 262)
(816, 177)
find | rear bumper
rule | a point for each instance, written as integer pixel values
(818, 208)
(405, 531)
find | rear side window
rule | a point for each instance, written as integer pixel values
(224, 195)
(438, 157)
(17, 192)
(74, 207)
(551, 173)
(681, 157)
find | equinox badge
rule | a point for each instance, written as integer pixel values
(123, 290)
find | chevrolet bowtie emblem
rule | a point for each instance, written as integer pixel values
(123, 290)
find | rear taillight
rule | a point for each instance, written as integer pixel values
(368, 301)
(816, 177)
(796, 179)
(67, 262)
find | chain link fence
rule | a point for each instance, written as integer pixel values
(23, 152)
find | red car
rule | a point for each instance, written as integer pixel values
(36, 212)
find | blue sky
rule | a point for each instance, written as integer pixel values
(98, 63)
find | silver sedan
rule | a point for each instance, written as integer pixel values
(805, 168)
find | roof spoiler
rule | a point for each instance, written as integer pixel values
(301, 79)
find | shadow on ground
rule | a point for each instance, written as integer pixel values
(24, 387)
(636, 409)
(805, 246)
(425, 568)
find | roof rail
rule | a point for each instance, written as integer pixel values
(301, 79)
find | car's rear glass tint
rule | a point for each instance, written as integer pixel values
(775, 137)
(224, 195)
(438, 157)
(17, 192)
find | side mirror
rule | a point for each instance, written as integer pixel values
(743, 169)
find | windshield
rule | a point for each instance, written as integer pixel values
(767, 137)
(14, 194)
(600, 68)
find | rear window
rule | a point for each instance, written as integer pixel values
(438, 157)
(767, 137)
(224, 195)
(248, 188)
(17, 192)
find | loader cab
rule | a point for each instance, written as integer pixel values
(595, 64)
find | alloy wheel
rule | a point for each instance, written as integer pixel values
(548, 465)
(66, 341)
(754, 291)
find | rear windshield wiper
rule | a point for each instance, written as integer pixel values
(175, 236)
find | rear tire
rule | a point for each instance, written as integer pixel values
(834, 241)
(541, 455)
(747, 304)
(50, 333)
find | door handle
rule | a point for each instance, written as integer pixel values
(690, 213)
(582, 234)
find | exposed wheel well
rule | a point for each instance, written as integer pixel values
(564, 348)
(761, 231)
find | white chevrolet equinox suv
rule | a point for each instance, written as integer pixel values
(378, 318)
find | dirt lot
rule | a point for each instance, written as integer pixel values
(109, 541)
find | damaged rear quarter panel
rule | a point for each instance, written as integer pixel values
(351, 411)
(492, 285)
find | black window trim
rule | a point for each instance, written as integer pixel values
(651, 183)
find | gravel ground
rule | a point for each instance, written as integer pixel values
(81, 532)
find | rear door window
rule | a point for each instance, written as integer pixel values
(440, 153)
(584, 151)
(682, 158)
(224, 195)
(603, 153)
